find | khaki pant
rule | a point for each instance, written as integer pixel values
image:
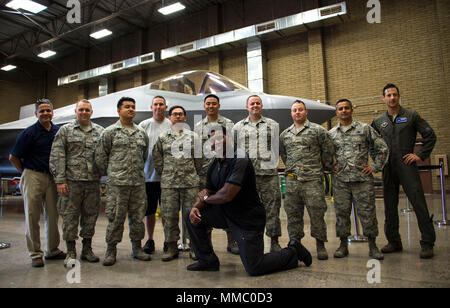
(39, 194)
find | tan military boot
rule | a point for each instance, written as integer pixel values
(373, 250)
(71, 254)
(426, 252)
(138, 253)
(87, 254)
(232, 246)
(322, 253)
(342, 250)
(171, 253)
(110, 255)
(274, 245)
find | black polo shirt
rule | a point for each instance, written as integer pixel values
(33, 146)
(246, 209)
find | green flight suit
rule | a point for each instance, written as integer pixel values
(400, 136)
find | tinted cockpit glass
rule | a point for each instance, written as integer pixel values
(196, 83)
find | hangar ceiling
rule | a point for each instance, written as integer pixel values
(24, 35)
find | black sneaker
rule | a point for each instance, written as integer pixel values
(302, 253)
(149, 247)
(60, 256)
(203, 267)
(426, 252)
(392, 247)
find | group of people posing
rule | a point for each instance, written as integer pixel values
(231, 184)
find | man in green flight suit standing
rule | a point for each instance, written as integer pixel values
(398, 127)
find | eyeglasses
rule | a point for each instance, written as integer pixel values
(177, 114)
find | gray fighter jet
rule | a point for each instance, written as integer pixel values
(186, 89)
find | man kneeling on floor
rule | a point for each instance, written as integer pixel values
(230, 201)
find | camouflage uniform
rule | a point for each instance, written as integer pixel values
(306, 152)
(120, 156)
(72, 163)
(179, 176)
(261, 143)
(353, 146)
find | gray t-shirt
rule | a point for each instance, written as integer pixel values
(153, 129)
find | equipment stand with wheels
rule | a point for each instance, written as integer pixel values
(357, 237)
(183, 245)
(444, 221)
(407, 209)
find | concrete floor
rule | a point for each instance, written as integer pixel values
(403, 270)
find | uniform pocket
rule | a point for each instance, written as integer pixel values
(75, 146)
(111, 206)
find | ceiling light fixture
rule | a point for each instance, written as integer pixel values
(27, 5)
(47, 54)
(171, 8)
(8, 67)
(101, 33)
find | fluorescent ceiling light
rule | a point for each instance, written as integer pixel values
(27, 5)
(47, 54)
(171, 8)
(8, 67)
(101, 33)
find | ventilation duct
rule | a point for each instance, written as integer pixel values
(108, 69)
(297, 22)
(255, 65)
(186, 48)
(267, 27)
(147, 58)
(117, 66)
(280, 24)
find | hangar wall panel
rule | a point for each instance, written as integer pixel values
(234, 65)
(288, 66)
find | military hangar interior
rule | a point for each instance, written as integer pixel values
(320, 50)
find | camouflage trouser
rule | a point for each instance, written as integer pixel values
(309, 194)
(269, 191)
(171, 198)
(363, 197)
(202, 182)
(83, 200)
(121, 200)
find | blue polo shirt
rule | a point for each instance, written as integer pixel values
(33, 147)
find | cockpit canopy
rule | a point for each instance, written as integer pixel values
(197, 83)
